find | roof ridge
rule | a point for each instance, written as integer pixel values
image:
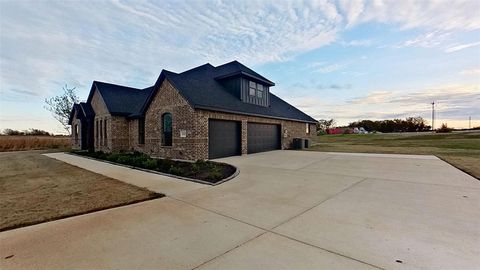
(229, 63)
(192, 69)
(117, 85)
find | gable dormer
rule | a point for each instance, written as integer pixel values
(255, 92)
(245, 84)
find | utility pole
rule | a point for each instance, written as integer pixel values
(469, 122)
(433, 115)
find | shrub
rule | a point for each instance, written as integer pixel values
(215, 173)
(112, 157)
(176, 171)
(195, 168)
(150, 164)
(444, 129)
(124, 160)
(164, 165)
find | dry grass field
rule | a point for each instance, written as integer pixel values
(461, 149)
(21, 142)
(35, 188)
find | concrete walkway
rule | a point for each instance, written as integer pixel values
(286, 210)
(154, 182)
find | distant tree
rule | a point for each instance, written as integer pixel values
(444, 129)
(30, 132)
(12, 132)
(323, 125)
(410, 124)
(61, 105)
(37, 132)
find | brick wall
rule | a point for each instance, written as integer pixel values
(76, 142)
(168, 100)
(122, 133)
(289, 129)
(195, 124)
(118, 133)
(102, 116)
(134, 144)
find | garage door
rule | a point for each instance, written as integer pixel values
(262, 137)
(224, 138)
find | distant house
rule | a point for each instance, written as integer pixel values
(205, 112)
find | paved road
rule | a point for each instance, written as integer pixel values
(286, 210)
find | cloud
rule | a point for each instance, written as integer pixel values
(313, 85)
(130, 42)
(426, 40)
(24, 92)
(461, 47)
(357, 43)
(330, 68)
(453, 102)
(373, 98)
(45, 45)
(445, 94)
(475, 71)
(433, 15)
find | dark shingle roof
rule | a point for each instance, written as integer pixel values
(85, 111)
(236, 68)
(122, 100)
(200, 88)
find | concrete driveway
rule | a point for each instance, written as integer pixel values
(286, 210)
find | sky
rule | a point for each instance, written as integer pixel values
(346, 60)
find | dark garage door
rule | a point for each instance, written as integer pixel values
(263, 137)
(224, 138)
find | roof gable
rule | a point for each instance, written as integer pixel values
(236, 68)
(202, 90)
(121, 100)
(82, 110)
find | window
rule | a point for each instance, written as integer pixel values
(307, 128)
(259, 90)
(96, 132)
(141, 131)
(76, 132)
(252, 88)
(105, 130)
(255, 89)
(101, 132)
(167, 129)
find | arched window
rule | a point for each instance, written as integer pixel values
(167, 129)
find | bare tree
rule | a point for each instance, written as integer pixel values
(61, 105)
(323, 125)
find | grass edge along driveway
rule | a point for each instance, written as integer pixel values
(460, 149)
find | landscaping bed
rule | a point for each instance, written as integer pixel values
(205, 171)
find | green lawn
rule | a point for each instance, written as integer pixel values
(461, 149)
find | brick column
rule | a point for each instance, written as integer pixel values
(244, 137)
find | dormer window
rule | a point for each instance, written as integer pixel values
(259, 90)
(255, 89)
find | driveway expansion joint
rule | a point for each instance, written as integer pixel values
(265, 230)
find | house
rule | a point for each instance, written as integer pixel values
(202, 113)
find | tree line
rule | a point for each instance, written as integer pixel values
(410, 124)
(30, 132)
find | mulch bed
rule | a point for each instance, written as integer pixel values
(206, 171)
